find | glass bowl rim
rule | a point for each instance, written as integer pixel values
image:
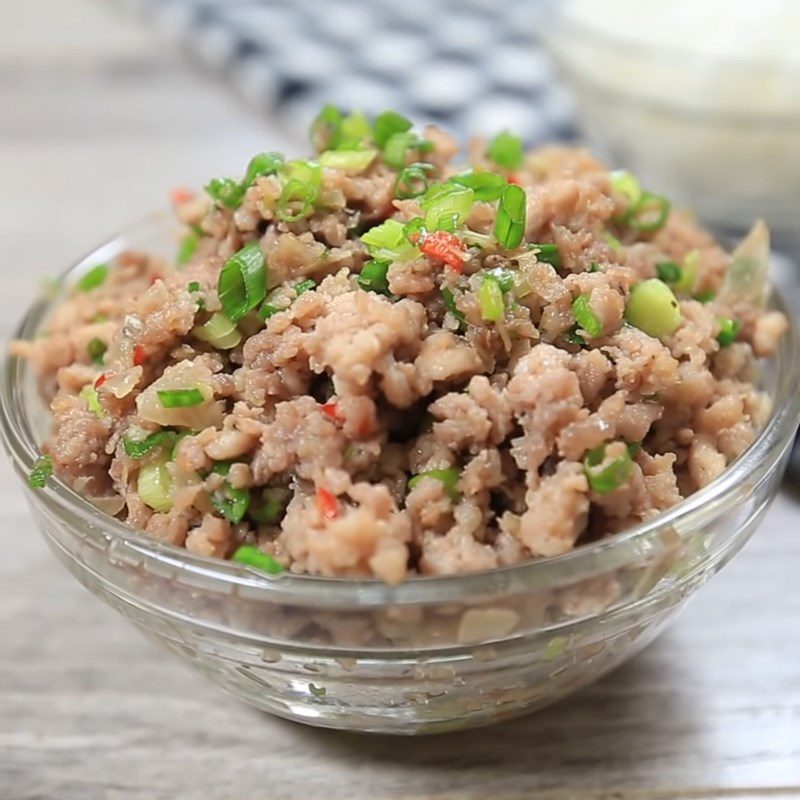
(593, 558)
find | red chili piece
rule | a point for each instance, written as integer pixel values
(332, 411)
(327, 503)
(180, 195)
(512, 178)
(446, 247)
(138, 355)
(101, 379)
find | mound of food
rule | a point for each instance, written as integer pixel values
(375, 364)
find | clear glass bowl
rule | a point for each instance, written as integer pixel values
(432, 654)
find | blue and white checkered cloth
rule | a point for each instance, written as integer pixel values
(475, 66)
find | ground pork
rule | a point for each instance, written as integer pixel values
(411, 400)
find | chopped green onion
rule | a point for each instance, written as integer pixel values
(193, 286)
(271, 508)
(398, 145)
(180, 398)
(95, 277)
(669, 272)
(373, 277)
(41, 472)
(450, 304)
(139, 448)
(154, 486)
(594, 267)
(354, 130)
(446, 203)
(689, 270)
(506, 150)
(413, 180)
(309, 172)
(232, 503)
(626, 184)
(573, 337)
(509, 225)
(348, 160)
(263, 164)
(728, 331)
(633, 448)
(96, 350)
(387, 242)
(505, 277)
(89, 394)
(99, 318)
(605, 478)
(304, 286)
(490, 299)
(387, 124)
(268, 310)
(449, 478)
(547, 253)
(414, 230)
(253, 557)
(614, 243)
(243, 281)
(649, 214)
(586, 318)
(653, 308)
(226, 192)
(219, 331)
(188, 248)
(705, 297)
(326, 128)
(296, 201)
(487, 186)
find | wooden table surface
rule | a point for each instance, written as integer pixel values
(98, 119)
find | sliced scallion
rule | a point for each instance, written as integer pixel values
(373, 277)
(219, 331)
(399, 145)
(728, 331)
(226, 192)
(92, 399)
(649, 214)
(96, 348)
(180, 398)
(447, 206)
(154, 486)
(296, 201)
(605, 477)
(263, 164)
(40, 472)
(187, 249)
(326, 128)
(387, 242)
(548, 253)
(509, 224)
(449, 479)
(139, 448)
(354, 130)
(348, 160)
(487, 186)
(586, 318)
(626, 184)
(304, 286)
(387, 124)
(653, 308)
(505, 277)
(95, 277)
(229, 501)
(413, 180)
(450, 304)
(669, 272)
(506, 150)
(490, 299)
(251, 556)
(243, 281)
(271, 506)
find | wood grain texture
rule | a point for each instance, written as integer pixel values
(99, 120)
